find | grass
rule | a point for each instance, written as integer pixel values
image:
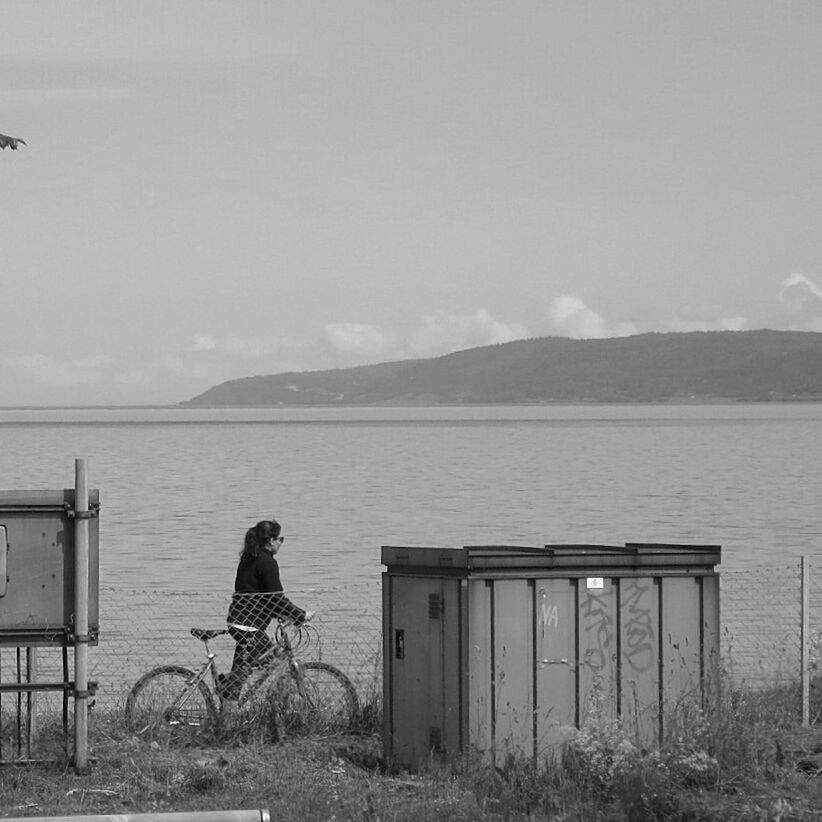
(746, 761)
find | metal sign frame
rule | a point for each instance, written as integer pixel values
(50, 591)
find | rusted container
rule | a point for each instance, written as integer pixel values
(501, 649)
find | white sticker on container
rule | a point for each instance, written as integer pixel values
(595, 583)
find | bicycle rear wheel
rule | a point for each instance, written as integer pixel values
(316, 698)
(165, 701)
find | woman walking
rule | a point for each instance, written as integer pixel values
(258, 598)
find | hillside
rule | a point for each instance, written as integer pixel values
(731, 365)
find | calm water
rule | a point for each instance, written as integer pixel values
(179, 487)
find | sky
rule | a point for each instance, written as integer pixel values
(215, 190)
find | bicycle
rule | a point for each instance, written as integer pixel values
(294, 696)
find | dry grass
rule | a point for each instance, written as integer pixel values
(747, 761)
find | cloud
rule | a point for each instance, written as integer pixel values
(252, 347)
(710, 321)
(571, 317)
(439, 333)
(156, 372)
(139, 377)
(183, 367)
(39, 368)
(358, 338)
(444, 332)
(800, 302)
(257, 346)
(203, 342)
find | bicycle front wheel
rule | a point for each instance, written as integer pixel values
(316, 698)
(169, 700)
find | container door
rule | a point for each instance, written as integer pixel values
(710, 639)
(598, 644)
(478, 657)
(422, 648)
(513, 669)
(682, 672)
(639, 657)
(555, 645)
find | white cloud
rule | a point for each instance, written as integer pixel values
(44, 370)
(444, 332)
(257, 346)
(241, 346)
(358, 338)
(184, 367)
(439, 333)
(800, 301)
(571, 317)
(158, 371)
(708, 324)
(203, 342)
(139, 377)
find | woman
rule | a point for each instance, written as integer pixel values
(258, 598)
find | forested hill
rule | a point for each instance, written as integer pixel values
(731, 365)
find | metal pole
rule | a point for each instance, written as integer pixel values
(80, 616)
(805, 642)
(260, 815)
(31, 698)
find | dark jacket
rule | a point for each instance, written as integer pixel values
(258, 595)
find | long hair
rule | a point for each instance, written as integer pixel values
(257, 538)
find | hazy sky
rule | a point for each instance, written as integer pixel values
(217, 190)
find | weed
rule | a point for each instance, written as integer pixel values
(734, 762)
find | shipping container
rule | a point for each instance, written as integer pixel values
(503, 649)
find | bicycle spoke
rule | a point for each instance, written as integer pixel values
(316, 699)
(169, 701)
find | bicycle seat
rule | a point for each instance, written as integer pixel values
(205, 634)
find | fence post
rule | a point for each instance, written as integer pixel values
(31, 696)
(81, 638)
(805, 643)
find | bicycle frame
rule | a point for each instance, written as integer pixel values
(280, 656)
(307, 694)
(193, 685)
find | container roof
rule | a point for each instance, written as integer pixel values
(587, 557)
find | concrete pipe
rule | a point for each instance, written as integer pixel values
(260, 815)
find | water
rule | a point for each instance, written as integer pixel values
(180, 486)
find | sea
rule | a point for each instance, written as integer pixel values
(180, 486)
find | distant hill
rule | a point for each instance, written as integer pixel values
(718, 365)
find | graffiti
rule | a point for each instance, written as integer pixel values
(549, 616)
(598, 624)
(640, 650)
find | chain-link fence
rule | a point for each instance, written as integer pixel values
(140, 630)
(771, 619)
(761, 615)
(768, 615)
